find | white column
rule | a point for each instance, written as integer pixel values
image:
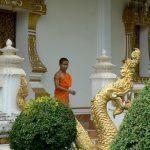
(102, 74)
(10, 78)
(104, 27)
(103, 69)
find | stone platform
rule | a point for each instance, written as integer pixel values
(4, 147)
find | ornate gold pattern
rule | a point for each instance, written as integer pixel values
(105, 128)
(83, 140)
(36, 6)
(133, 17)
(37, 65)
(7, 27)
(22, 93)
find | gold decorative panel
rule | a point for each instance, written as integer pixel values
(7, 27)
(135, 15)
(36, 6)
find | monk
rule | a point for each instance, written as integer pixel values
(63, 82)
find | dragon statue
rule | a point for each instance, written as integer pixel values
(114, 91)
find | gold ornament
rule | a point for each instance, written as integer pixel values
(105, 127)
(22, 93)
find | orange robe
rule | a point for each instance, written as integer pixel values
(66, 82)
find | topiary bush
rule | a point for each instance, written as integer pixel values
(46, 124)
(134, 132)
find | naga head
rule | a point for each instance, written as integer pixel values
(124, 84)
(119, 102)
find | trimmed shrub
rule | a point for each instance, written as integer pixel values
(134, 132)
(46, 124)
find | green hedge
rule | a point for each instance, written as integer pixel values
(134, 133)
(46, 124)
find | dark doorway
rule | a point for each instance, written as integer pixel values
(7, 27)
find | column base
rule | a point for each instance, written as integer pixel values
(4, 147)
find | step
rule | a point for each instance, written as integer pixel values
(85, 120)
(92, 134)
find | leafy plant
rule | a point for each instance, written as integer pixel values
(134, 133)
(46, 124)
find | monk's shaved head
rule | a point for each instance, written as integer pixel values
(62, 60)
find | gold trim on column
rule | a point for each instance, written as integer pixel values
(37, 65)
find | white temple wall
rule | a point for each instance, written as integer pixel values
(145, 60)
(22, 39)
(22, 44)
(69, 29)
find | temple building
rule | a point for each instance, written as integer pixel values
(96, 36)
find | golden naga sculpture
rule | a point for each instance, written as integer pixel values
(105, 127)
(22, 93)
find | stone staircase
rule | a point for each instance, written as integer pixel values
(87, 123)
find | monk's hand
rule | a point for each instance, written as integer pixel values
(73, 92)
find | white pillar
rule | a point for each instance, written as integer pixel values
(104, 27)
(102, 73)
